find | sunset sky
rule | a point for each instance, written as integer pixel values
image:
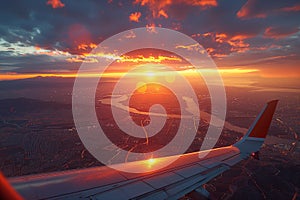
(244, 37)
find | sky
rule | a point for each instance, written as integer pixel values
(244, 37)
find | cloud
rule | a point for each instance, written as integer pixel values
(251, 10)
(22, 49)
(163, 13)
(51, 53)
(294, 8)
(155, 6)
(33, 23)
(220, 45)
(151, 27)
(55, 3)
(135, 17)
(81, 59)
(262, 9)
(148, 59)
(84, 46)
(159, 8)
(201, 3)
(192, 47)
(131, 59)
(130, 35)
(280, 32)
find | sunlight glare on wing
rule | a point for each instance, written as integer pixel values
(151, 162)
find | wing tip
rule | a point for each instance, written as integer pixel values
(275, 101)
(263, 121)
(258, 131)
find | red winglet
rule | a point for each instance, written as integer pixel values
(262, 123)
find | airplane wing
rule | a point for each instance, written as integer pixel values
(185, 175)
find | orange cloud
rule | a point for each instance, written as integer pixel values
(208, 34)
(154, 5)
(86, 46)
(149, 59)
(241, 37)
(210, 50)
(37, 48)
(55, 3)
(163, 13)
(151, 28)
(159, 8)
(125, 58)
(80, 59)
(249, 10)
(245, 14)
(135, 17)
(220, 37)
(100, 54)
(237, 43)
(294, 8)
(280, 32)
(192, 47)
(258, 9)
(202, 3)
(219, 55)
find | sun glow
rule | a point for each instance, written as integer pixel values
(151, 162)
(149, 71)
(150, 74)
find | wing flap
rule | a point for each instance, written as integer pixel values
(191, 170)
(163, 180)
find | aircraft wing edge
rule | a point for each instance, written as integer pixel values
(188, 174)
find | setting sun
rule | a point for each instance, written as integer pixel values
(150, 74)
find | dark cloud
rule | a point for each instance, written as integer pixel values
(36, 64)
(98, 18)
